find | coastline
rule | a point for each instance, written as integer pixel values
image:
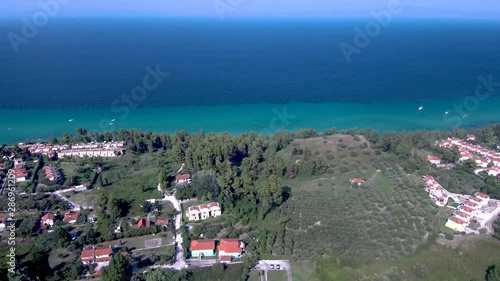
(263, 118)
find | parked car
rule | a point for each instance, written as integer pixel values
(272, 266)
(278, 266)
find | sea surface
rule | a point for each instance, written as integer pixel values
(237, 75)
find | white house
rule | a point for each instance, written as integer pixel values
(483, 163)
(48, 219)
(3, 223)
(434, 159)
(185, 178)
(495, 171)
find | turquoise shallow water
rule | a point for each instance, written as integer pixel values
(265, 118)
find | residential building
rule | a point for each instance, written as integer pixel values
(463, 216)
(203, 211)
(456, 224)
(162, 222)
(495, 171)
(202, 248)
(3, 223)
(184, 178)
(357, 181)
(231, 247)
(434, 159)
(48, 219)
(143, 223)
(96, 254)
(71, 217)
(51, 173)
(193, 213)
(215, 210)
(20, 170)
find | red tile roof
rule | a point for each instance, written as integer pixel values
(48, 216)
(182, 177)
(457, 220)
(482, 195)
(202, 245)
(71, 216)
(468, 209)
(230, 246)
(143, 223)
(433, 158)
(162, 221)
(356, 180)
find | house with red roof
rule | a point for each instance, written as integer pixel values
(71, 217)
(456, 224)
(51, 173)
(470, 204)
(357, 181)
(184, 178)
(162, 222)
(202, 248)
(215, 210)
(434, 159)
(495, 171)
(203, 211)
(231, 247)
(193, 213)
(48, 219)
(96, 254)
(3, 223)
(143, 223)
(467, 210)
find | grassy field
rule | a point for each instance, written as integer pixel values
(467, 261)
(133, 243)
(276, 275)
(132, 179)
(254, 275)
(387, 217)
(59, 256)
(84, 198)
(231, 273)
(304, 270)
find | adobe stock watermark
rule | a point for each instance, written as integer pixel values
(372, 29)
(222, 7)
(278, 122)
(485, 87)
(126, 102)
(40, 19)
(11, 222)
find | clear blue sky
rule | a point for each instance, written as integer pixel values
(258, 8)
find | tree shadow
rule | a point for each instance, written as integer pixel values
(286, 193)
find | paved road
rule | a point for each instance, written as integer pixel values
(265, 265)
(477, 171)
(180, 263)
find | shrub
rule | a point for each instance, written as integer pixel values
(353, 154)
(449, 236)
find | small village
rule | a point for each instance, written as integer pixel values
(468, 209)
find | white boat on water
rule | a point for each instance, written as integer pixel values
(113, 120)
(420, 108)
(70, 120)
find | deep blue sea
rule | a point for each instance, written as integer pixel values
(234, 75)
